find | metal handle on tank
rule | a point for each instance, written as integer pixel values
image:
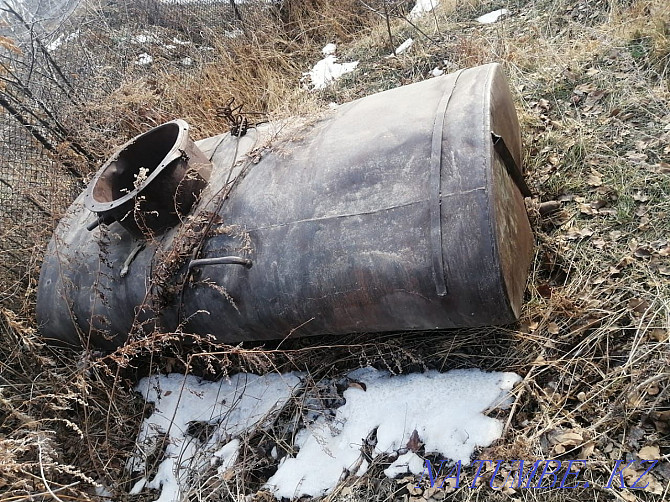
(510, 164)
(221, 260)
(100, 220)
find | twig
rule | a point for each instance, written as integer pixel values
(44, 479)
(388, 27)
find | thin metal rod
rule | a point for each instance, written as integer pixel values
(510, 164)
(222, 260)
(100, 220)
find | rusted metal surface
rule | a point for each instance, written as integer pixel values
(393, 212)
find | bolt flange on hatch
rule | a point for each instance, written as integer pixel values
(151, 182)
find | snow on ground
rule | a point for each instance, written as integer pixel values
(144, 38)
(231, 406)
(494, 16)
(404, 46)
(61, 39)
(328, 69)
(329, 49)
(444, 411)
(421, 7)
(144, 59)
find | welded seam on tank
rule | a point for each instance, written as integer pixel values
(462, 192)
(336, 216)
(436, 189)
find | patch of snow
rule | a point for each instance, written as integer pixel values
(233, 33)
(329, 49)
(229, 406)
(327, 70)
(445, 409)
(144, 59)
(409, 462)
(449, 66)
(138, 487)
(421, 7)
(404, 46)
(492, 17)
(226, 456)
(61, 39)
(102, 491)
(187, 61)
(437, 72)
(170, 47)
(175, 40)
(142, 38)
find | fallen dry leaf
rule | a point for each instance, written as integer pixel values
(540, 361)
(599, 243)
(569, 439)
(642, 252)
(548, 207)
(544, 290)
(625, 261)
(638, 305)
(653, 390)
(357, 385)
(636, 156)
(587, 209)
(575, 234)
(649, 482)
(588, 449)
(553, 328)
(661, 421)
(649, 453)
(414, 443)
(595, 179)
(412, 488)
(594, 97)
(585, 89)
(659, 334)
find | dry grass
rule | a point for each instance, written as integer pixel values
(591, 83)
(261, 68)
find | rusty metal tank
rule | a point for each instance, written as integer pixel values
(403, 210)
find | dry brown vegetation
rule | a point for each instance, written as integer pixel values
(591, 79)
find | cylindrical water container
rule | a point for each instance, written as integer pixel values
(403, 210)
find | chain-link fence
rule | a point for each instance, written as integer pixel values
(56, 57)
